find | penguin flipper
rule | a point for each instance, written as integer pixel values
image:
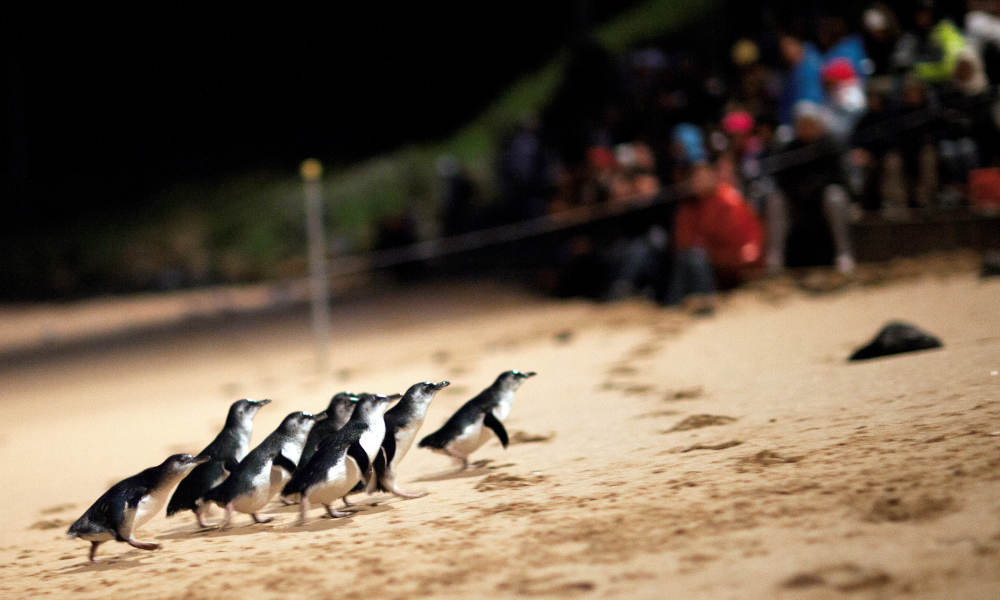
(359, 455)
(494, 423)
(198, 481)
(285, 463)
(122, 512)
(435, 440)
(388, 452)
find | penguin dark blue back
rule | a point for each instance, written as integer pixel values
(225, 452)
(260, 476)
(343, 459)
(130, 503)
(401, 425)
(468, 429)
(338, 413)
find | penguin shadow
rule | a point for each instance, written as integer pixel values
(356, 505)
(478, 468)
(319, 522)
(248, 528)
(323, 522)
(128, 560)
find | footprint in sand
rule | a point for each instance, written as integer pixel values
(657, 413)
(718, 446)
(57, 508)
(622, 370)
(505, 481)
(847, 577)
(638, 389)
(897, 508)
(49, 524)
(688, 393)
(545, 586)
(766, 458)
(563, 337)
(523, 437)
(699, 421)
(644, 350)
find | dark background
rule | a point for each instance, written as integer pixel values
(103, 111)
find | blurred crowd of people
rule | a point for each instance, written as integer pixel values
(755, 163)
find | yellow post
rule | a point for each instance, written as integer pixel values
(312, 173)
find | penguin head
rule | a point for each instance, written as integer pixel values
(243, 411)
(342, 406)
(425, 390)
(299, 423)
(511, 380)
(179, 464)
(374, 403)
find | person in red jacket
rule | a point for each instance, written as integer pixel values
(717, 237)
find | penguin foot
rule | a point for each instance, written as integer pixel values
(205, 524)
(303, 509)
(228, 518)
(463, 462)
(346, 503)
(336, 514)
(93, 552)
(409, 495)
(257, 519)
(143, 545)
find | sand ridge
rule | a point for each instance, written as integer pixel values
(732, 457)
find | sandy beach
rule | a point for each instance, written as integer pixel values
(736, 456)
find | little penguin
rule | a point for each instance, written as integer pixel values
(343, 459)
(401, 425)
(469, 428)
(130, 503)
(264, 471)
(338, 413)
(223, 454)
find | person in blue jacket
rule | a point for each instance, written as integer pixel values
(802, 81)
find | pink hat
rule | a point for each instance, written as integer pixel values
(838, 70)
(737, 121)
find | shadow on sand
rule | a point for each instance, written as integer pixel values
(480, 467)
(320, 522)
(128, 560)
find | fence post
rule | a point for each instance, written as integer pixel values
(312, 171)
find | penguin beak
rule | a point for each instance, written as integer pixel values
(394, 397)
(441, 385)
(527, 375)
(263, 402)
(200, 460)
(320, 416)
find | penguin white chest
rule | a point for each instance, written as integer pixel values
(469, 439)
(371, 440)
(242, 445)
(292, 450)
(404, 439)
(502, 409)
(258, 495)
(340, 479)
(149, 506)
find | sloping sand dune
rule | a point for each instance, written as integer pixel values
(733, 457)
